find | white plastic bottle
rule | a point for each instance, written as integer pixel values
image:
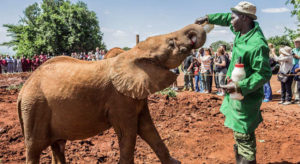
(238, 74)
(207, 27)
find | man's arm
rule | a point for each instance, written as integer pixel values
(262, 71)
(222, 19)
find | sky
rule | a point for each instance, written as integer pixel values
(121, 20)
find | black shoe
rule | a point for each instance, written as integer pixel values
(237, 156)
(245, 161)
(240, 159)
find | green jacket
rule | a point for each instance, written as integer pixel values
(244, 116)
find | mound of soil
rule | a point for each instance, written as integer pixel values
(190, 124)
(7, 80)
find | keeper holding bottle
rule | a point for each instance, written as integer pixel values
(243, 116)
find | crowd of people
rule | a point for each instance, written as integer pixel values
(12, 64)
(204, 67)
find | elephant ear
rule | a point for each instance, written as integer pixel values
(137, 78)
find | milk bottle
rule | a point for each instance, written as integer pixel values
(207, 27)
(238, 74)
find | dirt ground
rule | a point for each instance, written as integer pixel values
(190, 124)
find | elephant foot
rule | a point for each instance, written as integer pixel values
(172, 161)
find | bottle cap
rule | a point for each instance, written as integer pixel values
(239, 65)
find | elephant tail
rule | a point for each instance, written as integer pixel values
(20, 114)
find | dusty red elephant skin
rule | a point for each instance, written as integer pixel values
(67, 99)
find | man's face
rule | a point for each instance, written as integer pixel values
(236, 21)
(297, 44)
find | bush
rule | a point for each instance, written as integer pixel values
(12, 87)
(168, 91)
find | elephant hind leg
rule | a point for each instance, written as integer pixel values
(33, 152)
(58, 152)
(36, 119)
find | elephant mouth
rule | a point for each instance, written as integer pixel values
(156, 63)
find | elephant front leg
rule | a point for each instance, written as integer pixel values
(126, 130)
(148, 132)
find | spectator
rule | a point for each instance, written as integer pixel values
(195, 66)
(97, 54)
(44, 58)
(174, 85)
(23, 62)
(296, 70)
(206, 71)
(28, 64)
(267, 86)
(200, 53)
(14, 64)
(286, 65)
(0, 64)
(35, 62)
(10, 64)
(4, 64)
(296, 54)
(19, 65)
(188, 74)
(227, 56)
(221, 69)
(102, 54)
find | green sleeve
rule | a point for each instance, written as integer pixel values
(222, 19)
(262, 71)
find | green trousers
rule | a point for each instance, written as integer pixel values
(246, 145)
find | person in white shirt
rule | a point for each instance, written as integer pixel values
(206, 71)
(286, 64)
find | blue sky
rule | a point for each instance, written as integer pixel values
(121, 20)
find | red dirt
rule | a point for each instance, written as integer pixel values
(190, 124)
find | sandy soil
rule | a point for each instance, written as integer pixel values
(190, 124)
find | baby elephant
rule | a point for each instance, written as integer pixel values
(69, 99)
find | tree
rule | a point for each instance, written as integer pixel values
(126, 48)
(278, 41)
(296, 6)
(55, 26)
(217, 44)
(295, 12)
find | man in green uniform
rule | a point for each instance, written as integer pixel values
(244, 116)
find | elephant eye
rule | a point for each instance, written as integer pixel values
(171, 43)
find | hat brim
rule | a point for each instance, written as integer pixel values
(254, 17)
(285, 53)
(297, 40)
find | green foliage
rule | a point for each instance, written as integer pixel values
(168, 91)
(217, 44)
(12, 87)
(295, 12)
(296, 6)
(290, 35)
(126, 48)
(278, 41)
(56, 27)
